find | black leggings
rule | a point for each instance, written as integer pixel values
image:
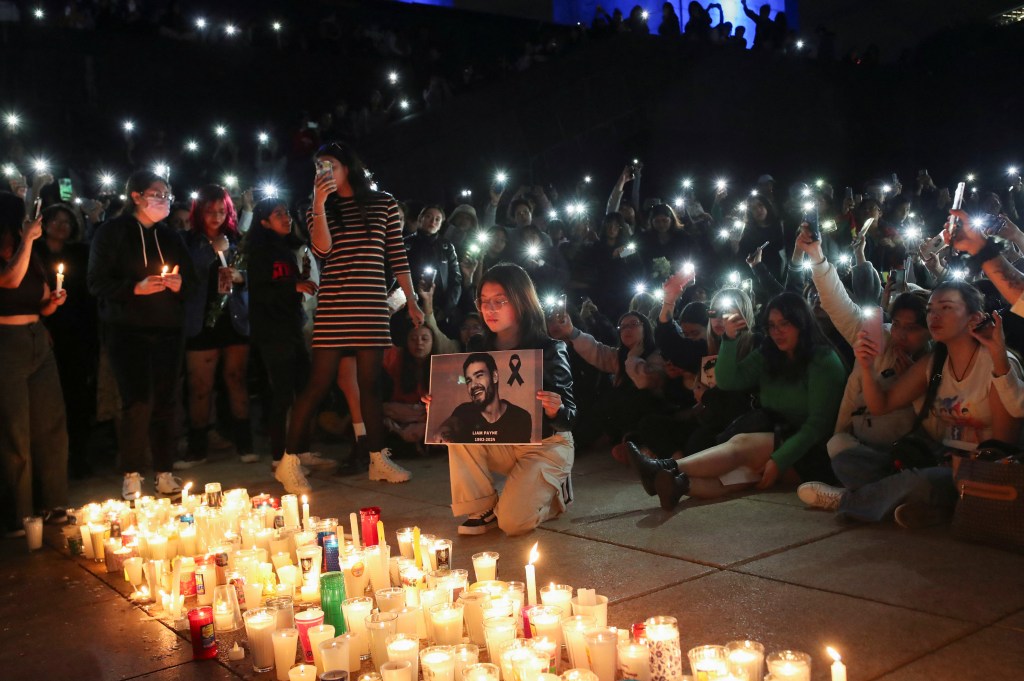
(323, 375)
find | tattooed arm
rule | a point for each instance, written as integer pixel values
(1006, 278)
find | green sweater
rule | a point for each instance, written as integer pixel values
(810, 404)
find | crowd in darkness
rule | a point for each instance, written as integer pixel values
(740, 334)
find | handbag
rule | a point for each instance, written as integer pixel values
(916, 449)
(991, 506)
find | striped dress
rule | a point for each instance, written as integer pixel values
(352, 309)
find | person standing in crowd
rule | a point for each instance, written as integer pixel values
(355, 229)
(34, 438)
(141, 273)
(276, 318)
(798, 378)
(434, 262)
(74, 331)
(216, 325)
(538, 486)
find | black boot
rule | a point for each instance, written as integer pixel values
(358, 461)
(671, 488)
(647, 467)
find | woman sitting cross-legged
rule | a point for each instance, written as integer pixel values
(798, 378)
(970, 398)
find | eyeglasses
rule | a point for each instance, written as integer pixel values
(493, 305)
(629, 325)
(161, 197)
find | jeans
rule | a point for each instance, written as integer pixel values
(287, 365)
(33, 426)
(874, 491)
(147, 364)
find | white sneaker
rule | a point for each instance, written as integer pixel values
(131, 488)
(249, 458)
(313, 460)
(274, 465)
(289, 474)
(383, 468)
(168, 484)
(820, 495)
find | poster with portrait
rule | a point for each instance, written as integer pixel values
(486, 398)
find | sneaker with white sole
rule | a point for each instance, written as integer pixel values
(383, 468)
(917, 515)
(249, 458)
(820, 495)
(289, 474)
(313, 460)
(167, 484)
(131, 488)
(479, 523)
(274, 465)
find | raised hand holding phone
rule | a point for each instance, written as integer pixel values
(871, 325)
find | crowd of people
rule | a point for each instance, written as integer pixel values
(781, 335)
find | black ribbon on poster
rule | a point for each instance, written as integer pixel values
(513, 365)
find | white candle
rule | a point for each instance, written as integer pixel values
(223, 618)
(302, 672)
(305, 513)
(164, 271)
(318, 634)
(184, 494)
(531, 577)
(356, 610)
(60, 277)
(290, 504)
(353, 522)
(485, 566)
(838, 668)
(285, 644)
(403, 648)
(635, 661)
(438, 664)
(446, 619)
(558, 596)
(175, 610)
(259, 629)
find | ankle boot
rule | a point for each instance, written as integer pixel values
(358, 461)
(647, 467)
(671, 488)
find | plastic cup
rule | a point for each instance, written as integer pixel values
(485, 565)
(317, 635)
(599, 610)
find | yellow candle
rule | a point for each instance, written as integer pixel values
(417, 550)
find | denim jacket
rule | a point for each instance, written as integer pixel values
(196, 305)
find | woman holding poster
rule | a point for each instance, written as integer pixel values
(537, 486)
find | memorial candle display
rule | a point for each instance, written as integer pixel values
(662, 635)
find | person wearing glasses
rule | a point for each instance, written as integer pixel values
(141, 273)
(798, 379)
(538, 486)
(636, 366)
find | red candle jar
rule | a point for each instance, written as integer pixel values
(368, 518)
(200, 623)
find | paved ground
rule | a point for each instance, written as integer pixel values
(900, 606)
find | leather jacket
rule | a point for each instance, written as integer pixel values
(431, 250)
(557, 379)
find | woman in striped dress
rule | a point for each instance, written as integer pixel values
(356, 230)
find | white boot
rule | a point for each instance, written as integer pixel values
(383, 468)
(289, 474)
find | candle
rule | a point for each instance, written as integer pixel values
(259, 629)
(446, 619)
(666, 655)
(405, 542)
(381, 538)
(223, 618)
(573, 629)
(601, 643)
(838, 668)
(438, 664)
(334, 654)
(304, 621)
(60, 277)
(745, 659)
(305, 513)
(531, 577)
(353, 522)
(302, 672)
(466, 655)
(290, 504)
(356, 610)
(404, 648)
(545, 622)
(417, 550)
(635, 661)
(789, 665)
(317, 635)
(285, 644)
(175, 610)
(485, 566)
(164, 271)
(558, 596)
(184, 494)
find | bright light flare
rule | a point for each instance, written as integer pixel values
(588, 179)
(277, 26)
(39, 13)
(128, 126)
(230, 181)
(1013, 170)
(230, 29)
(393, 77)
(10, 170)
(734, 277)
(263, 137)
(12, 120)
(687, 183)
(200, 23)
(107, 180)
(40, 165)
(192, 145)
(161, 169)
(678, 202)
(220, 130)
(404, 104)
(501, 177)
(269, 190)
(721, 184)
(640, 287)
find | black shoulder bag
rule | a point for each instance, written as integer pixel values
(916, 449)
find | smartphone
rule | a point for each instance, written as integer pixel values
(898, 277)
(66, 191)
(811, 218)
(37, 209)
(986, 321)
(871, 324)
(323, 167)
(560, 306)
(759, 248)
(849, 193)
(992, 224)
(428, 277)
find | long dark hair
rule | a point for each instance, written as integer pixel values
(533, 329)
(12, 217)
(411, 376)
(358, 178)
(795, 310)
(647, 342)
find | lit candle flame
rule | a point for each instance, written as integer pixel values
(534, 555)
(833, 653)
(60, 268)
(164, 271)
(305, 499)
(188, 486)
